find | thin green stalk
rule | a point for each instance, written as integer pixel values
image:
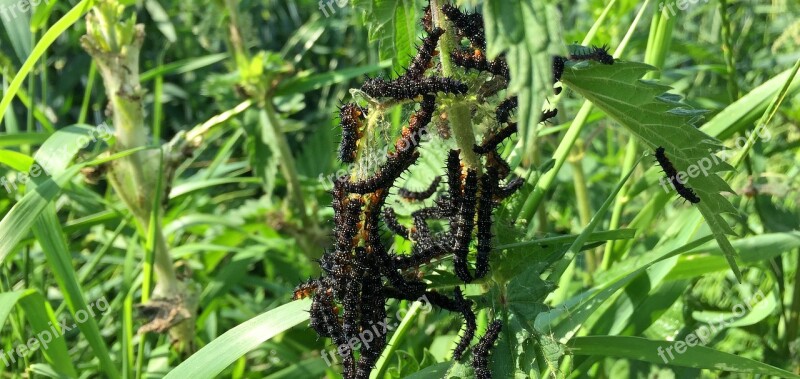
(43, 77)
(659, 41)
(139, 371)
(727, 51)
(631, 152)
(127, 359)
(581, 188)
(29, 103)
(26, 149)
(461, 126)
(158, 91)
(445, 41)
(582, 202)
(459, 113)
(764, 120)
(560, 155)
(87, 94)
(383, 362)
(154, 242)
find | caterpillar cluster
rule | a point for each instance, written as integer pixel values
(672, 175)
(360, 273)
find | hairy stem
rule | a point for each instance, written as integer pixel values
(114, 43)
(459, 113)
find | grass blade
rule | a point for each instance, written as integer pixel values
(223, 351)
(648, 351)
(40, 316)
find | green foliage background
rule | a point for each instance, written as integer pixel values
(596, 267)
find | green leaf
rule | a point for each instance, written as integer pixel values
(18, 221)
(751, 250)
(580, 307)
(309, 368)
(212, 359)
(393, 25)
(436, 371)
(394, 342)
(15, 160)
(191, 186)
(55, 154)
(41, 14)
(598, 217)
(642, 349)
(658, 119)
(50, 236)
(16, 22)
(17, 139)
(40, 316)
(745, 111)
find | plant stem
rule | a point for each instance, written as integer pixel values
(561, 153)
(461, 125)
(727, 51)
(269, 121)
(388, 353)
(114, 42)
(582, 197)
(622, 199)
(459, 113)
